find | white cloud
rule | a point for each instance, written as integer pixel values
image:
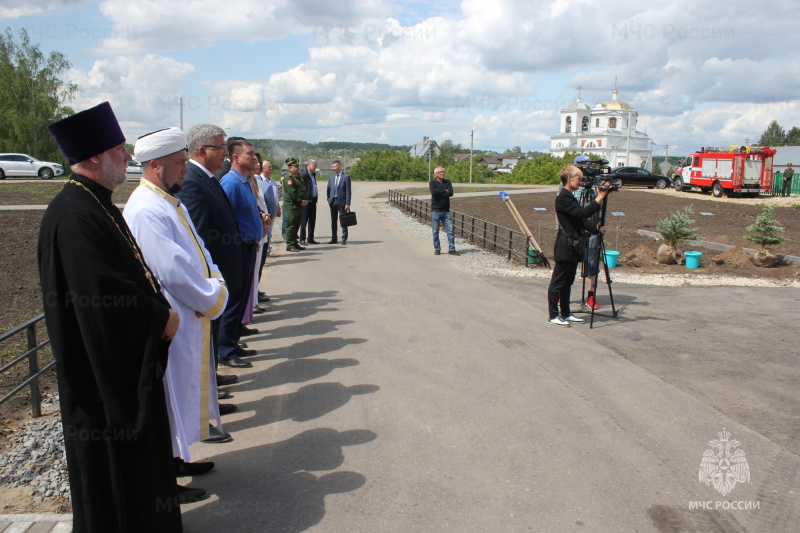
(144, 91)
(169, 25)
(690, 69)
(34, 7)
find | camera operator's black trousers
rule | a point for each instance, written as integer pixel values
(561, 287)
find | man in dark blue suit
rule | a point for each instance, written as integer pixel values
(309, 220)
(215, 221)
(338, 198)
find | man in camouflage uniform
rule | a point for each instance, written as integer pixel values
(294, 199)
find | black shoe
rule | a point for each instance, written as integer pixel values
(437, 252)
(182, 468)
(235, 362)
(227, 408)
(263, 298)
(258, 310)
(241, 352)
(216, 436)
(302, 242)
(344, 241)
(223, 394)
(332, 241)
(226, 380)
(241, 344)
(300, 247)
(453, 252)
(262, 294)
(293, 249)
(190, 495)
(244, 331)
(312, 241)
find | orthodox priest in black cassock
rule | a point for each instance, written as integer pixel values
(106, 317)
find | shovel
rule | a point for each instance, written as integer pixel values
(532, 244)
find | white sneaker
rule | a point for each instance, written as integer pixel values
(558, 321)
(574, 319)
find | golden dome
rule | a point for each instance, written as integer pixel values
(615, 103)
(578, 105)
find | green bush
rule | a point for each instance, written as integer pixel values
(677, 228)
(766, 229)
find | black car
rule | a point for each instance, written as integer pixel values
(638, 177)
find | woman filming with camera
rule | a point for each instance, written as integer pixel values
(571, 242)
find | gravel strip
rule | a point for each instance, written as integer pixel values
(774, 201)
(481, 262)
(37, 459)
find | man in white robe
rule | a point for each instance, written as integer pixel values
(191, 282)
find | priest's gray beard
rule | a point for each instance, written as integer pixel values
(111, 175)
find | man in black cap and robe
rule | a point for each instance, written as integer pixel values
(110, 328)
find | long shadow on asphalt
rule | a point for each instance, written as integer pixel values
(307, 403)
(284, 311)
(293, 371)
(271, 487)
(306, 348)
(313, 327)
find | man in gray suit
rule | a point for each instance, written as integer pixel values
(338, 199)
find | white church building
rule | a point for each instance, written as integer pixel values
(608, 130)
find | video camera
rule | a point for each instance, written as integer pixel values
(595, 173)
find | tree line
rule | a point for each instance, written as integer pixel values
(775, 135)
(32, 96)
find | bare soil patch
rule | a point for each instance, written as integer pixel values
(643, 209)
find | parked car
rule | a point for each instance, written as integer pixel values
(25, 165)
(134, 169)
(639, 177)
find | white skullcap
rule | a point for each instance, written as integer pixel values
(158, 144)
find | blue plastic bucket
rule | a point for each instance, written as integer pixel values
(692, 259)
(611, 258)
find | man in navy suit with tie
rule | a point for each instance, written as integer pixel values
(338, 198)
(215, 221)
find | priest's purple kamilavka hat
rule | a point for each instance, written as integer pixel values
(87, 133)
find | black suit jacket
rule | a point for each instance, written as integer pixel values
(573, 218)
(304, 175)
(215, 221)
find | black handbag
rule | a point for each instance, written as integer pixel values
(347, 219)
(570, 247)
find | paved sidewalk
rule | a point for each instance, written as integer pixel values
(36, 523)
(394, 391)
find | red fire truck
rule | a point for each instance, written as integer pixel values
(737, 170)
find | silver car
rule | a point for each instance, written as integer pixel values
(25, 165)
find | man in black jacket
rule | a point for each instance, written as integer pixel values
(216, 223)
(572, 220)
(441, 191)
(309, 219)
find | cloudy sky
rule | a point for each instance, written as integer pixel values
(393, 71)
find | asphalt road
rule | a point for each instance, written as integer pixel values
(394, 391)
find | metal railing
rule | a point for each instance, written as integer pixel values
(493, 238)
(32, 355)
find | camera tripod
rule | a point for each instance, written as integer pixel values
(600, 254)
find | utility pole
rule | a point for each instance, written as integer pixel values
(628, 145)
(471, 145)
(666, 157)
